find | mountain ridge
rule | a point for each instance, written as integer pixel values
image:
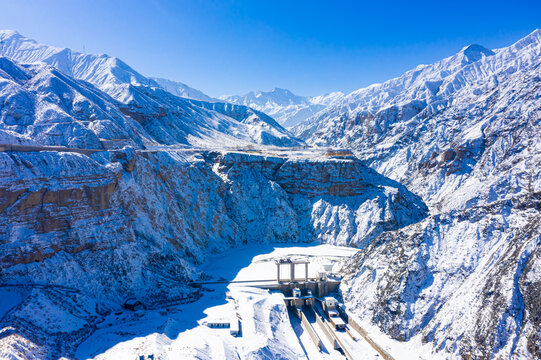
(462, 133)
(180, 89)
(287, 108)
(167, 118)
(442, 197)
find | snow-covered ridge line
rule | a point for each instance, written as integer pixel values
(180, 89)
(115, 77)
(108, 100)
(462, 134)
(427, 83)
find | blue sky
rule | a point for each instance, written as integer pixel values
(309, 47)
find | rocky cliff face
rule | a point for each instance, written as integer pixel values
(463, 134)
(79, 231)
(464, 280)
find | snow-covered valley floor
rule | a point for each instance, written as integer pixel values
(266, 329)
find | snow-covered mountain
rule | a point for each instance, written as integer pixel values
(449, 237)
(81, 234)
(164, 119)
(463, 133)
(284, 106)
(108, 73)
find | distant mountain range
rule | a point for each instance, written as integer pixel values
(101, 97)
(112, 186)
(284, 106)
(114, 77)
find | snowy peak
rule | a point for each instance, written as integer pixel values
(119, 80)
(534, 38)
(426, 86)
(327, 99)
(9, 33)
(283, 96)
(13, 44)
(535, 35)
(284, 106)
(462, 133)
(475, 53)
(109, 74)
(275, 97)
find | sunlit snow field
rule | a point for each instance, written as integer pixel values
(266, 332)
(177, 332)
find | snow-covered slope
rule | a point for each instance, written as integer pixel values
(180, 89)
(168, 119)
(49, 108)
(284, 106)
(81, 233)
(108, 73)
(463, 133)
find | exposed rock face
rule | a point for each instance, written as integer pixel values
(96, 230)
(334, 200)
(462, 133)
(473, 296)
(72, 203)
(82, 233)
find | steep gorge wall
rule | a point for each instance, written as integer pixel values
(90, 231)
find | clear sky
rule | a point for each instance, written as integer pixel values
(310, 47)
